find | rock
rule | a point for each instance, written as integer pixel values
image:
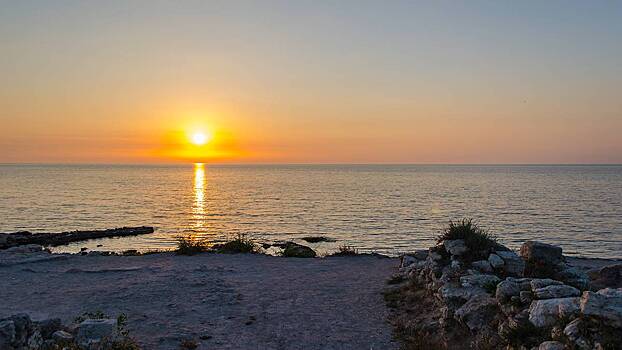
(295, 250)
(434, 256)
(482, 281)
(495, 261)
(513, 264)
(482, 265)
(542, 253)
(455, 246)
(23, 326)
(573, 277)
(62, 336)
(573, 332)
(556, 291)
(55, 239)
(478, 312)
(506, 290)
(407, 260)
(49, 326)
(24, 249)
(551, 345)
(91, 332)
(7, 334)
(544, 313)
(35, 340)
(525, 297)
(608, 276)
(457, 296)
(538, 283)
(420, 254)
(604, 305)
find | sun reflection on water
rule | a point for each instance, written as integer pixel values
(198, 209)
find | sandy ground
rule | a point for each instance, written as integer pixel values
(222, 301)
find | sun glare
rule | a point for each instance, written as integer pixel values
(200, 138)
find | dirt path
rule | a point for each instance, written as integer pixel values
(222, 301)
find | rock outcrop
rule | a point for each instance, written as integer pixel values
(535, 300)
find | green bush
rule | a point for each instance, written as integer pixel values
(188, 245)
(475, 238)
(241, 244)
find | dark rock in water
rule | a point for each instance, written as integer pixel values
(317, 239)
(8, 240)
(295, 250)
(608, 276)
(542, 253)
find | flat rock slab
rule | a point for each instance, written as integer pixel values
(221, 301)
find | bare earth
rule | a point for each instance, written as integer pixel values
(221, 301)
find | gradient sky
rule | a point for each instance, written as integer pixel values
(311, 81)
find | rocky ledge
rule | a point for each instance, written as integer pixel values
(8, 240)
(458, 295)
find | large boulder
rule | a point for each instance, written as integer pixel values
(478, 312)
(538, 252)
(455, 246)
(544, 313)
(513, 265)
(604, 305)
(93, 332)
(295, 250)
(556, 291)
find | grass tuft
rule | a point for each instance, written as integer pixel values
(240, 245)
(475, 238)
(346, 250)
(188, 245)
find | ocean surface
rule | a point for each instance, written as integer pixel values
(383, 208)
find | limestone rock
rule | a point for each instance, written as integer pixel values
(526, 297)
(49, 326)
(608, 276)
(573, 277)
(551, 345)
(513, 264)
(481, 281)
(456, 246)
(544, 313)
(605, 305)
(506, 290)
(62, 336)
(495, 261)
(482, 265)
(407, 260)
(538, 283)
(556, 291)
(478, 312)
(539, 252)
(573, 332)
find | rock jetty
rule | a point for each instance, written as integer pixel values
(8, 240)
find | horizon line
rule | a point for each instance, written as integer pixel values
(302, 164)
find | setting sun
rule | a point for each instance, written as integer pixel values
(200, 138)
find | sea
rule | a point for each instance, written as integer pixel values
(388, 209)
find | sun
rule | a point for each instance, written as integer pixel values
(200, 138)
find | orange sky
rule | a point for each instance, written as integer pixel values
(118, 83)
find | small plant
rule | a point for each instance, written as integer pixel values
(241, 244)
(189, 245)
(475, 238)
(346, 250)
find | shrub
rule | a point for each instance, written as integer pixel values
(241, 244)
(475, 238)
(189, 245)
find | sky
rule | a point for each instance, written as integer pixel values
(311, 81)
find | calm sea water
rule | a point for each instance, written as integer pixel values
(382, 208)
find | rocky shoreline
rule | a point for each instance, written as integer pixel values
(458, 295)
